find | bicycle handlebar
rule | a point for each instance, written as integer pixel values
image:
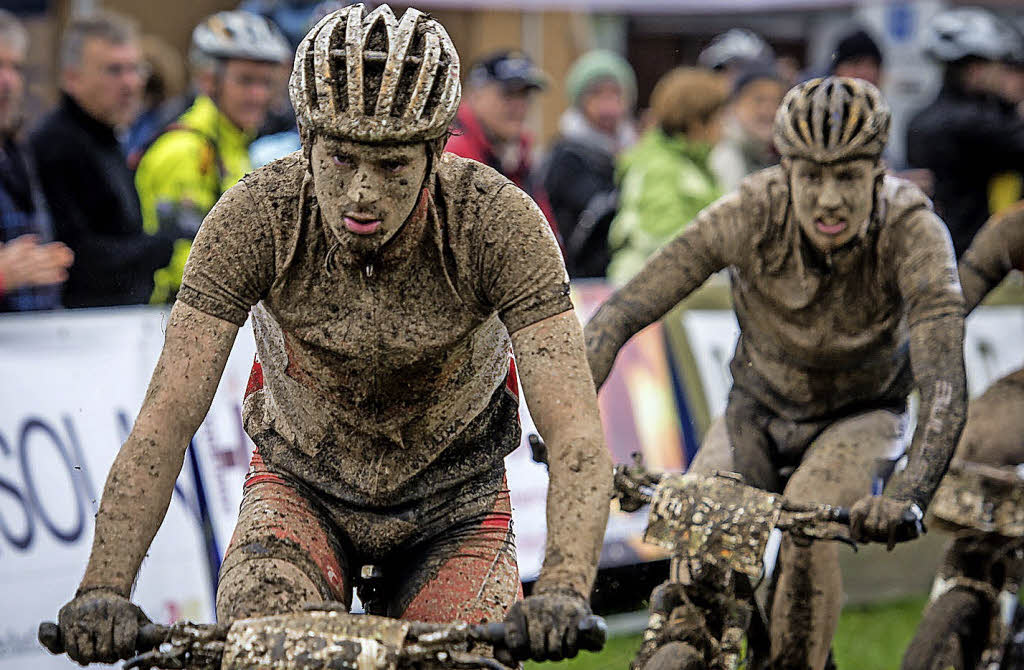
(592, 629)
(150, 635)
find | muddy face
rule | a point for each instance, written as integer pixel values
(366, 191)
(832, 203)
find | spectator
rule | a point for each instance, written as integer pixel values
(746, 145)
(967, 135)
(235, 57)
(596, 127)
(665, 179)
(84, 174)
(163, 95)
(490, 125)
(30, 269)
(857, 55)
(734, 50)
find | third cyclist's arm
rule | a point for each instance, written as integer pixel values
(560, 394)
(997, 249)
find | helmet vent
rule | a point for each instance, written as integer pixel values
(375, 56)
(434, 96)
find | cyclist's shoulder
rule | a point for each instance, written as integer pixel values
(280, 179)
(468, 182)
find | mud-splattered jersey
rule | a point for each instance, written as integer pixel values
(370, 369)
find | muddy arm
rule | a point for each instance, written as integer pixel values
(560, 394)
(997, 249)
(927, 279)
(677, 269)
(141, 480)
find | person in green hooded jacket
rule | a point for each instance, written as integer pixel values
(665, 180)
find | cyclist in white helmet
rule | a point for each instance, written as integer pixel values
(732, 51)
(388, 284)
(834, 266)
(237, 63)
(967, 137)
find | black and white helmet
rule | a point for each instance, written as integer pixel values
(239, 35)
(735, 46)
(971, 32)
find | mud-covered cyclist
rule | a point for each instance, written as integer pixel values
(834, 266)
(388, 283)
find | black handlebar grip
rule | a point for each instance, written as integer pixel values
(49, 636)
(151, 636)
(492, 633)
(592, 629)
(841, 515)
(593, 633)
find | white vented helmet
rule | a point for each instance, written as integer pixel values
(373, 78)
(242, 35)
(735, 45)
(967, 32)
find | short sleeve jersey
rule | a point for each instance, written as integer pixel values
(370, 369)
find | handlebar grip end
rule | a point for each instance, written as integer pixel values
(841, 515)
(593, 632)
(49, 636)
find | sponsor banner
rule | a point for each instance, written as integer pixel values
(72, 385)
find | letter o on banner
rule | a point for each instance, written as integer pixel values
(36, 425)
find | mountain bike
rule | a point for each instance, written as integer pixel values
(707, 616)
(972, 621)
(322, 637)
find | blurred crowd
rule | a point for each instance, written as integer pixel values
(101, 197)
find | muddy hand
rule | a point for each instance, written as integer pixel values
(100, 626)
(547, 627)
(885, 519)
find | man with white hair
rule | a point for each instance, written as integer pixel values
(83, 171)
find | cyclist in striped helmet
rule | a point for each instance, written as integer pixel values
(834, 266)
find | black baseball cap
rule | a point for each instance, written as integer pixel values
(513, 69)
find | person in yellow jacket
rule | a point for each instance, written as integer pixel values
(236, 57)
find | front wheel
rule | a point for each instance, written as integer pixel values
(675, 656)
(951, 634)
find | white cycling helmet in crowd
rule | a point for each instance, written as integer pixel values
(736, 45)
(832, 119)
(970, 32)
(369, 77)
(239, 35)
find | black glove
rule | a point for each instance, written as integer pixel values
(545, 626)
(100, 626)
(885, 519)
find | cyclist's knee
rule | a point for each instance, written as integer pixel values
(264, 586)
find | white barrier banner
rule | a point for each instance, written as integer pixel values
(70, 387)
(71, 384)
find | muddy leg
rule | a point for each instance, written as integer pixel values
(469, 573)
(715, 452)
(837, 469)
(282, 554)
